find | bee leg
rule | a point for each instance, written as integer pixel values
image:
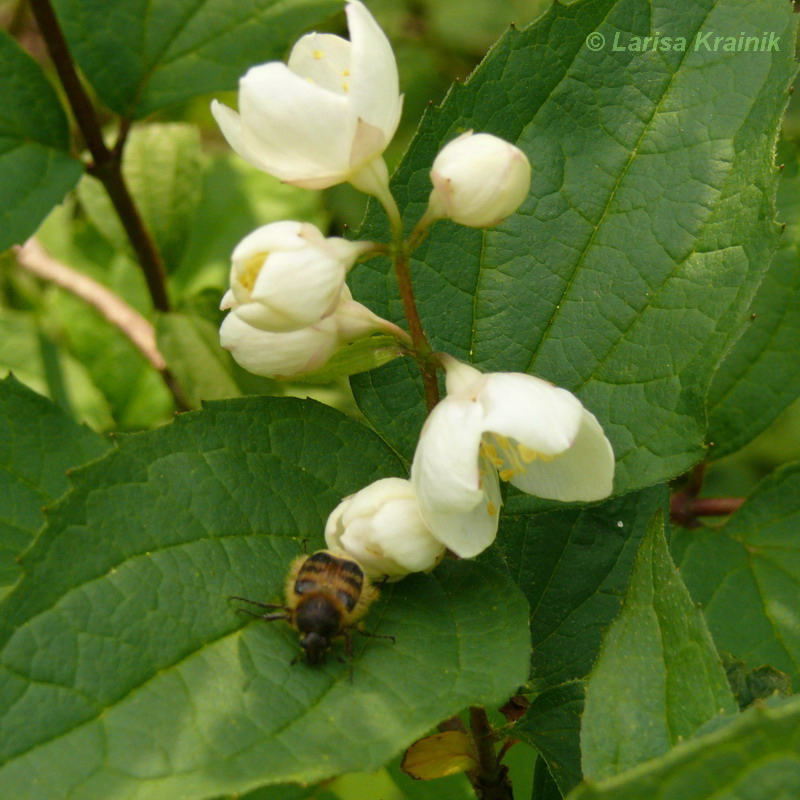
(256, 603)
(373, 635)
(267, 617)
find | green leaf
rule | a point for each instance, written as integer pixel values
(35, 166)
(42, 365)
(190, 345)
(553, 726)
(627, 273)
(746, 575)
(162, 166)
(761, 375)
(756, 756)
(143, 55)
(659, 677)
(126, 671)
(136, 393)
(573, 565)
(38, 444)
(359, 356)
(544, 786)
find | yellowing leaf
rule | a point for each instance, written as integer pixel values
(442, 754)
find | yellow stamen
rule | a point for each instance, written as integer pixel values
(507, 474)
(249, 274)
(319, 54)
(491, 509)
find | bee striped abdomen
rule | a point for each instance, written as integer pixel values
(339, 578)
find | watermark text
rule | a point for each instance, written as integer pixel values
(702, 41)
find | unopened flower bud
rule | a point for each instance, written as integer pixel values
(286, 275)
(304, 350)
(478, 180)
(381, 527)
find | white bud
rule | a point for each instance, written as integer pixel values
(380, 526)
(324, 117)
(286, 275)
(296, 352)
(478, 180)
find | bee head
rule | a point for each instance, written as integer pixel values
(315, 646)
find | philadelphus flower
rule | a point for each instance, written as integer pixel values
(381, 527)
(478, 180)
(507, 424)
(325, 117)
(286, 354)
(287, 275)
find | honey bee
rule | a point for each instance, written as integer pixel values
(326, 594)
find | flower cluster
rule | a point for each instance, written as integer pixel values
(290, 310)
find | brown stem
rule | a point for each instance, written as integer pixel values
(33, 257)
(423, 351)
(716, 506)
(685, 506)
(490, 781)
(107, 166)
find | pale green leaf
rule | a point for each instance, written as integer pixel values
(658, 678)
(754, 758)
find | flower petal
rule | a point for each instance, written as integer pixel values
(323, 59)
(530, 410)
(456, 489)
(469, 532)
(374, 87)
(583, 473)
(300, 132)
(278, 354)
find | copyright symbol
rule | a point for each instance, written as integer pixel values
(595, 41)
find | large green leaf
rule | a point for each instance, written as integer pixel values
(746, 575)
(628, 271)
(761, 375)
(573, 565)
(142, 55)
(126, 671)
(753, 758)
(658, 679)
(36, 169)
(38, 444)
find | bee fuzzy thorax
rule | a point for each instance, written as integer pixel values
(326, 594)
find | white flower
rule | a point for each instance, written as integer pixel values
(529, 432)
(296, 352)
(380, 526)
(478, 180)
(325, 117)
(287, 275)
